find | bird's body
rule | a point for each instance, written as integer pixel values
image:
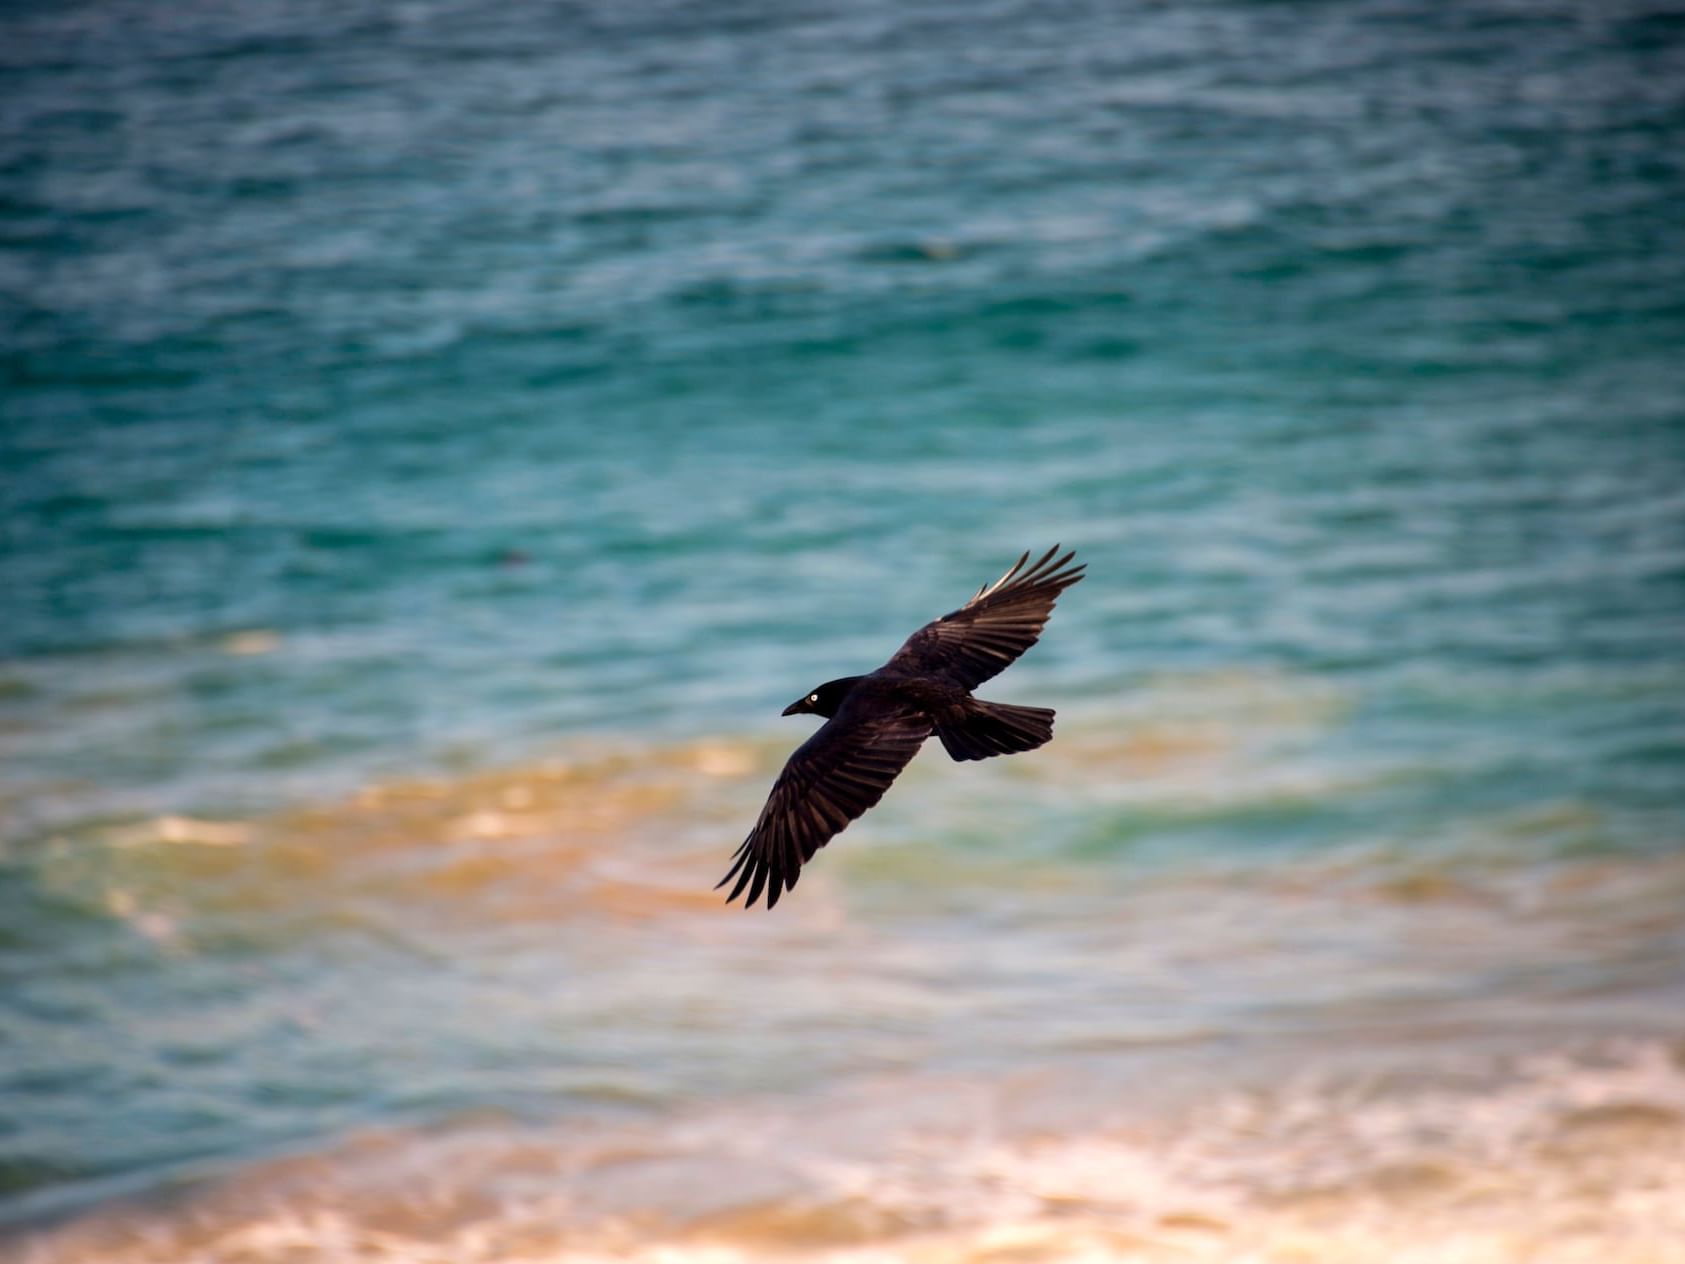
(876, 723)
(889, 687)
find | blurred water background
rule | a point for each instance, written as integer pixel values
(438, 438)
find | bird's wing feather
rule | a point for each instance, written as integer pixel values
(986, 634)
(832, 778)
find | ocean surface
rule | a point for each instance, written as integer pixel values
(436, 440)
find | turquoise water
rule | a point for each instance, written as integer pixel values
(432, 394)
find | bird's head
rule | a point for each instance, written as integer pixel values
(824, 700)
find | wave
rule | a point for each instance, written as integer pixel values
(1553, 1155)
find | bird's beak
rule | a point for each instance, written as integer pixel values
(793, 709)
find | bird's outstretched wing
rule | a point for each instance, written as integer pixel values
(832, 778)
(988, 632)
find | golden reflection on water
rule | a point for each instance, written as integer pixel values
(589, 836)
(639, 828)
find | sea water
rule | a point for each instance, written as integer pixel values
(437, 439)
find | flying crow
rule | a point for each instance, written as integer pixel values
(875, 723)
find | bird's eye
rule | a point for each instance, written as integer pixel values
(813, 697)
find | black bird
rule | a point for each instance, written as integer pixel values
(876, 723)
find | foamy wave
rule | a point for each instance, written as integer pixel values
(1553, 1157)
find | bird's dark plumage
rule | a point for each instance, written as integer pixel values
(876, 723)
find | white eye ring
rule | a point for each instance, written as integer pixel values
(813, 697)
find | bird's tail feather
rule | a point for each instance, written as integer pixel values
(978, 729)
